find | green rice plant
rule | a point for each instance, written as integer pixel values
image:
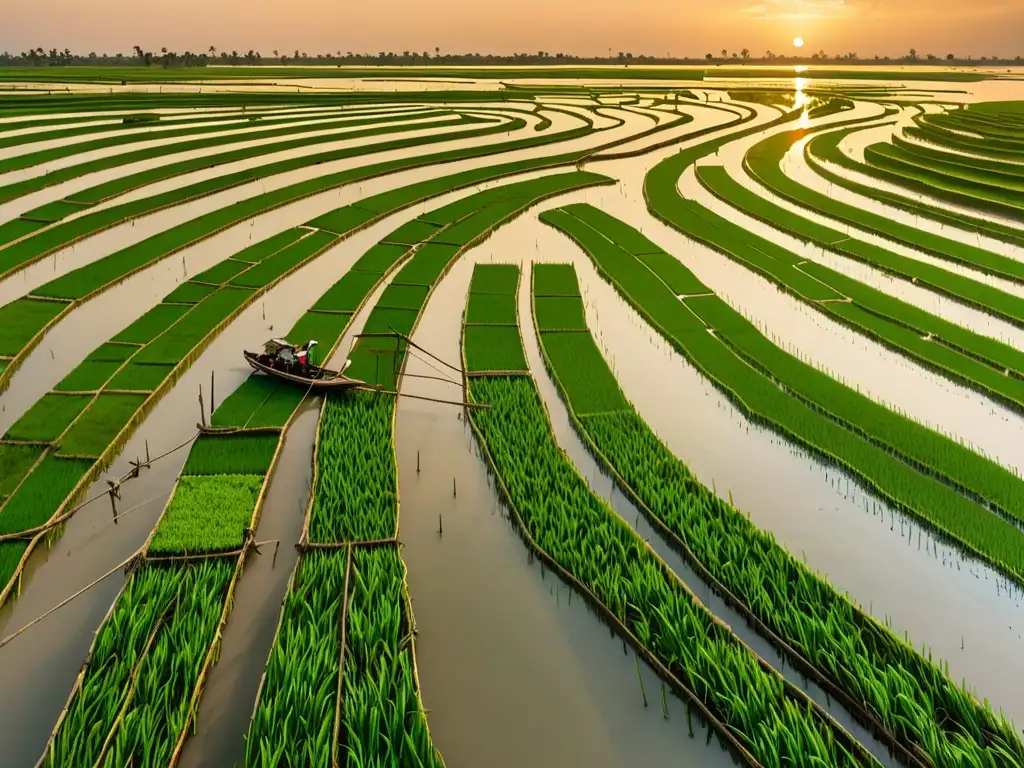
(240, 454)
(343, 220)
(744, 365)
(99, 424)
(827, 630)
(21, 319)
(559, 313)
(285, 260)
(260, 401)
(294, 719)
(494, 348)
(179, 339)
(386, 320)
(492, 308)
(157, 637)
(382, 716)
(42, 491)
(348, 293)
(427, 264)
(586, 538)
(257, 252)
(15, 463)
(403, 297)
(411, 233)
(207, 513)
(555, 280)
(591, 388)
(325, 327)
(355, 493)
(152, 324)
(380, 258)
(141, 377)
(48, 418)
(88, 376)
(495, 278)
(189, 293)
(221, 272)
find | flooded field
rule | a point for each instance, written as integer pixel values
(802, 404)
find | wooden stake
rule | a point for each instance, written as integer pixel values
(212, 399)
(454, 490)
(202, 412)
(417, 462)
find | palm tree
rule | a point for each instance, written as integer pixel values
(213, 50)
(745, 53)
(725, 53)
(913, 54)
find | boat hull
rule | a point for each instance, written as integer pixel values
(322, 378)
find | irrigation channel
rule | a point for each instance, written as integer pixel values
(105, 219)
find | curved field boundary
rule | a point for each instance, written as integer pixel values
(823, 151)
(108, 190)
(759, 717)
(849, 654)
(984, 364)
(25, 321)
(763, 161)
(355, 505)
(44, 230)
(41, 483)
(712, 337)
(987, 174)
(963, 153)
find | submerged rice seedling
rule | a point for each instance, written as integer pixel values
(48, 418)
(494, 348)
(99, 424)
(244, 454)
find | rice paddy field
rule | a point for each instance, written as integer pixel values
(683, 425)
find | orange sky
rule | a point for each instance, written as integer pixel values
(679, 27)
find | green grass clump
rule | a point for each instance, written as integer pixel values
(22, 319)
(207, 513)
(555, 280)
(491, 308)
(355, 491)
(383, 718)
(494, 348)
(42, 493)
(99, 424)
(583, 535)
(182, 604)
(559, 313)
(295, 713)
(48, 418)
(348, 293)
(88, 376)
(152, 324)
(220, 272)
(15, 462)
(495, 278)
(231, 454)
(259, 402)
(141, 377)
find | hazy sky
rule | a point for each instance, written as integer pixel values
(679, 27)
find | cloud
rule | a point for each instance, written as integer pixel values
(796, 9)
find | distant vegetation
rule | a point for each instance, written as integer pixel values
(169, 59)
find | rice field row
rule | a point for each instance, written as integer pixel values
(912, 701)
(823, 154)
(756, 714)
(992, 367)
(774, 388)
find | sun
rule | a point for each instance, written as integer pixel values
(798, 42)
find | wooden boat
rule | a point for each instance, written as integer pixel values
(286, 368)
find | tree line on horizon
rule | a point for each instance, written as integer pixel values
(168, 59)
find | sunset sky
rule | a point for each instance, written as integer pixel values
(582, 27)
